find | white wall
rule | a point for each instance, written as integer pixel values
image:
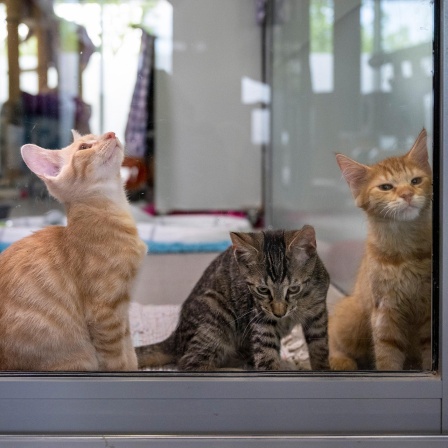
(204, 155)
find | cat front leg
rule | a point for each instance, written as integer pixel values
(208, 350)
(389, 342)
(266, 346)
(109, 332)
(315, 330)
(129, 350)
(349, 335)
(425, 343)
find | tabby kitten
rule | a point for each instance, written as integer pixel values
(249, 297)
(65, 290)
(386, 322)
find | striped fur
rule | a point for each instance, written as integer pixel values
(246, 301)
(64, 291)
(386, 322)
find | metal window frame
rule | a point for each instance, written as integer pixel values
(229, 410)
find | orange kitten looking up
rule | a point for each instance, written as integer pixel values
(386, 322)
(64, 291)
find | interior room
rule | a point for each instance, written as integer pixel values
(231, 114)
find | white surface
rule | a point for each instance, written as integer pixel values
(205, 158)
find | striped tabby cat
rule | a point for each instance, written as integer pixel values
(246, 301)
(64, 291)
(386, 322)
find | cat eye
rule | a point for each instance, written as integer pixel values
(385, 187)
(262, 290)
(416, 181)
(84, 146)
(294, 289)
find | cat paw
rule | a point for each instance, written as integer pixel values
(342, 363)
(287, 365)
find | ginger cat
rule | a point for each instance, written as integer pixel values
(64, 291)
(386, 322)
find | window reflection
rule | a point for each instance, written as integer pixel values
(347, 76)
(377, 73)
(380, 99)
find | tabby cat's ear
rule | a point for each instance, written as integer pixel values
(354, 173)
(301, 242)
(245, 245)
(42, 162)
(419, 151)
(76, 135)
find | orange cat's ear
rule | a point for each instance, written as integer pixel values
(354, 173)
(419, 151)
(302, 241)
(42, 162)
(76, 135)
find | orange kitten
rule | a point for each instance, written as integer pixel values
(65, 290)
(386, 322)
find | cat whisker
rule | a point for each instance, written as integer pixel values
(388, 209)
(242, 315)
(249, 325)
(392, 211)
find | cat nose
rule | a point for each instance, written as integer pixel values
(407, 196)
(110, 135)
(278, 309)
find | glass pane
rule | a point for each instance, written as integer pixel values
(182, 84)
(350, 77)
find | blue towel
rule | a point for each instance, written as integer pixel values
(155, 247)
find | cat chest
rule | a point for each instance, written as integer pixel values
(403, 287)
(250, 329)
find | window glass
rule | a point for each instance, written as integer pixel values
(350, 77)
(380, 99)
(231, 113)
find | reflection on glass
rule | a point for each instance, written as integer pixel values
(184, 89)
(380, 64)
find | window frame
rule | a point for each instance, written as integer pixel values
(181, 408)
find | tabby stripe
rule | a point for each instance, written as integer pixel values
(268, 322)
(312, 319)
(317, 337)
(266, 364)
(214, 321)
(261, 335)
(273, 343)
(45, 316)
(393, 343)
(274, 255)
(115, 351)
(270, 345)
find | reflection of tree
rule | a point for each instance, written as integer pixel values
(321, 29)
(322, 16)
(399, 39)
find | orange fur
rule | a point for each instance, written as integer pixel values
(65, 290)
(386, 322)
